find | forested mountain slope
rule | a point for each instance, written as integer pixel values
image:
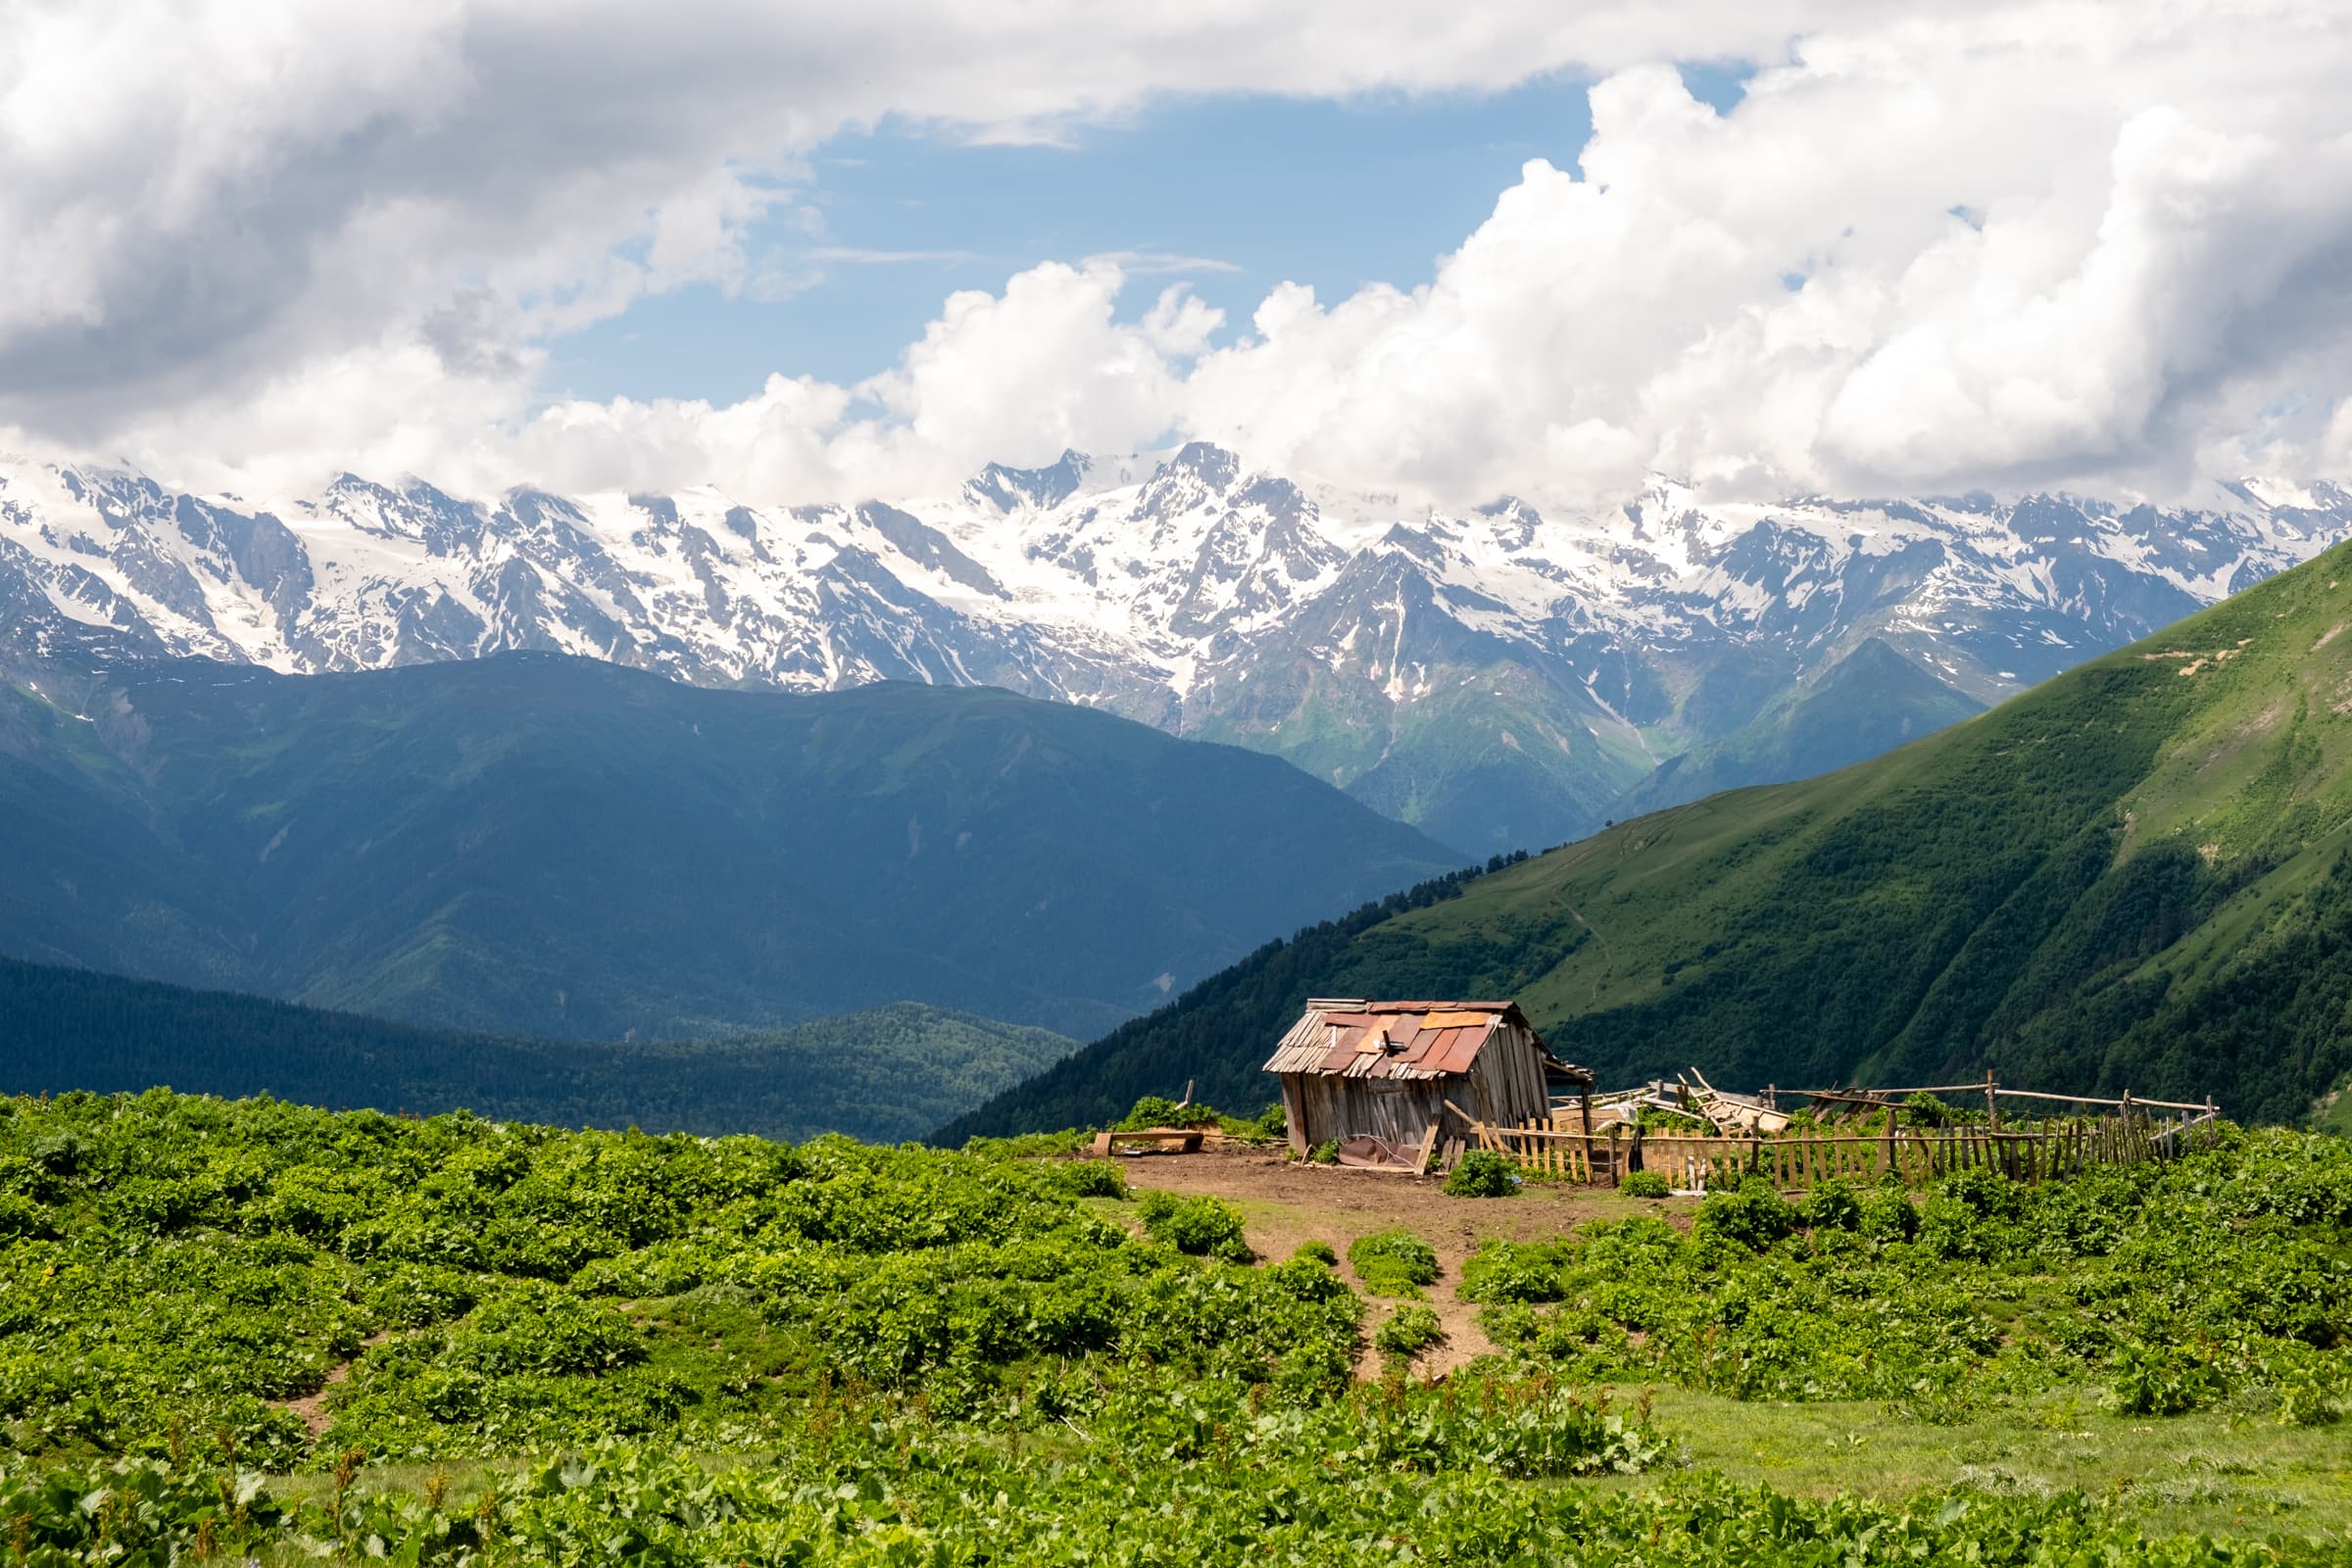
(536, 844)
(2134, 875)
(886, 1074)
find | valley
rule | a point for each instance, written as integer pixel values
(1297, 785)
(885, 1074)
(548, 845)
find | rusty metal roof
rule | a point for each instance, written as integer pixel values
(1347, 1038)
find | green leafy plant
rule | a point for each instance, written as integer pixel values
(1202, 1226)
(1752, 1215)
(1483, 1173)
(1158, 1111)
(2159, 1380)
(1645, 1184)
(1394, 1262)
(1407, 1332)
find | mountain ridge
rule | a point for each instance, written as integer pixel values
(1500, 676)
(537, 844)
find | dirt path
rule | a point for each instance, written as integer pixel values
(1284, 1203)
(311, 1408)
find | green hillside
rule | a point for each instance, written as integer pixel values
(1870, 702)
(886, 1074)
(2132, 876)
(556, 847)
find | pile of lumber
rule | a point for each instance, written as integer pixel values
(1733, 1115)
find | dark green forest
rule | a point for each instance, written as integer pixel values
(885, 1074)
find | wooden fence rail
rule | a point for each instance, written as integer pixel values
(1799, 1161)
(1539, 1148)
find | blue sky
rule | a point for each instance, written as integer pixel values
(1333, 194)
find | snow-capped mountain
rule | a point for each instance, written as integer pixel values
(1500, 677)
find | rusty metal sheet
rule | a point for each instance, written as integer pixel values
(1464, 1018)
(1417, 1049)
(1465, 1051)
(1430, 1044)
(1462, 1051)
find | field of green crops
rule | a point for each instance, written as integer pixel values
(247, 1330)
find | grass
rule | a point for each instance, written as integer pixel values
(2215, 1473)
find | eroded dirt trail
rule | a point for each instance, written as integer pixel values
(1284, 1203)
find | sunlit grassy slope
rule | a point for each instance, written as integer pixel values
(2133, 876)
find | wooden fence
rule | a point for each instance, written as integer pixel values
(1538, 1147)
(1799, 1160)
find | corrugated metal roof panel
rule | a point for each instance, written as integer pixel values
(1426, 1039)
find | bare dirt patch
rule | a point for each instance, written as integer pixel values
(311, 1408)
(1284, 1203)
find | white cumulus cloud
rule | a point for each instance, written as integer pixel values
(1932, 247)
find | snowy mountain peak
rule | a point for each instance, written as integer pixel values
(1007, 490)
(1567, 654)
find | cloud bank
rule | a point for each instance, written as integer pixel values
(1934, 247)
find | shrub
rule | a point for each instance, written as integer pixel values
(1483, 1173)
(1271, 1125)
(1409, 1332)
(1307, 1279)
(414, 1296)
(1503, 1273)
(1888, 1215)
(1645, 1184)
(1755, 1216)
(2159, 1380)
(1321, 1251)
(1204, 1227)
(1092, 1178)
(1394, 1262)
(1326, 1152)
(1833, 1206)
(1923, 1109)
(23, 1217)
(1158, 1111)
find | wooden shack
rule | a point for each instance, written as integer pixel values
(1384, 1079)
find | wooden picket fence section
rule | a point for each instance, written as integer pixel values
(1799, 1161)
(1538, 1147)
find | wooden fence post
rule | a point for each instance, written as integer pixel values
(1584, 1100)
